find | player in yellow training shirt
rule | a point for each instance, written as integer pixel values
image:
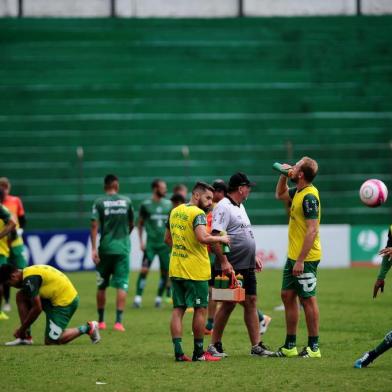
(43, 287)
(304, 254)
(190, 268)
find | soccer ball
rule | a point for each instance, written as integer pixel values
(373, 193)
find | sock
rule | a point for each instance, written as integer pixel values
(210, 324)
(177, 347)
(101, 315)
(198, 348)
(6, 293)
(141, 283)
(313, 342)
(162, 283)
(260, 314)
(385, 345)
(85, 328)
(119, 314)
(291, 341)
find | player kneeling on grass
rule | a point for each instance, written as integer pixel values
(44, 288)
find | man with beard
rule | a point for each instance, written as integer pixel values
(304, 254)
(153, 214)
(190, 268)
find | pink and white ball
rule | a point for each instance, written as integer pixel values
(373, 193)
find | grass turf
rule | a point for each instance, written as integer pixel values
(141, 359)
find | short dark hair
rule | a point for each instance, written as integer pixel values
(202, 186)
(219, 186)
(1, 195)
(5, 272)
(178, 198)
(109, 179)
(156, 182)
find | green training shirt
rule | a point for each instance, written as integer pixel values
(114, 212)
(155, 215)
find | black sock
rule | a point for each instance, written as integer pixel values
(101, 315)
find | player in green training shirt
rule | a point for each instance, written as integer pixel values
(113, 215)
(153, 215)
(386, 344)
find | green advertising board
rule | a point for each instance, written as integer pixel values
(366, 241)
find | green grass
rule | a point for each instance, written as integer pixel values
(141, 359)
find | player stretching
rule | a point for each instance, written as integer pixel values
(152, 216)
(44, 288)
(113, 214)
(190, 268)
(386, 344)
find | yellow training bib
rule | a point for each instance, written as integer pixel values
(189, 258)
(297, 226)
(55, 286)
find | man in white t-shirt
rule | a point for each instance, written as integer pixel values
(229, 215)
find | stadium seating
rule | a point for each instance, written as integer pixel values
(238, 94)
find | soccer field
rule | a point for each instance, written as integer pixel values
(141, 359)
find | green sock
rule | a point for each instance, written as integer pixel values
(210, 324)
(198, 347)
(291, 341)
(313, 342)
(101, 315)
(177, 347)
(141, 283)
(85, 328)
(119, 314)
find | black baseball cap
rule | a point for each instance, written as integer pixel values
(219, 185)
(239, 179)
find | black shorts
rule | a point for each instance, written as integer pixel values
(250, 282)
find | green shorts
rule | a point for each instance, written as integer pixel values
(17, 258)
(304, 285)
(113, 270)
(3, 259)
(57, 317)
(163, 253)
(189, 293)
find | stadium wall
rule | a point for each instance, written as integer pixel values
(185, 8)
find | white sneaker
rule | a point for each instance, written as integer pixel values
(137, 302)
(20, 342)
(264, 324)
(6, 307)
(94, 332)
(158, 302)
(215, 352)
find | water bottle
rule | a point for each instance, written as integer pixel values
(286, 172)
(225, 247)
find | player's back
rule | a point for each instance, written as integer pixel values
(114, 213)
(55, 286)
